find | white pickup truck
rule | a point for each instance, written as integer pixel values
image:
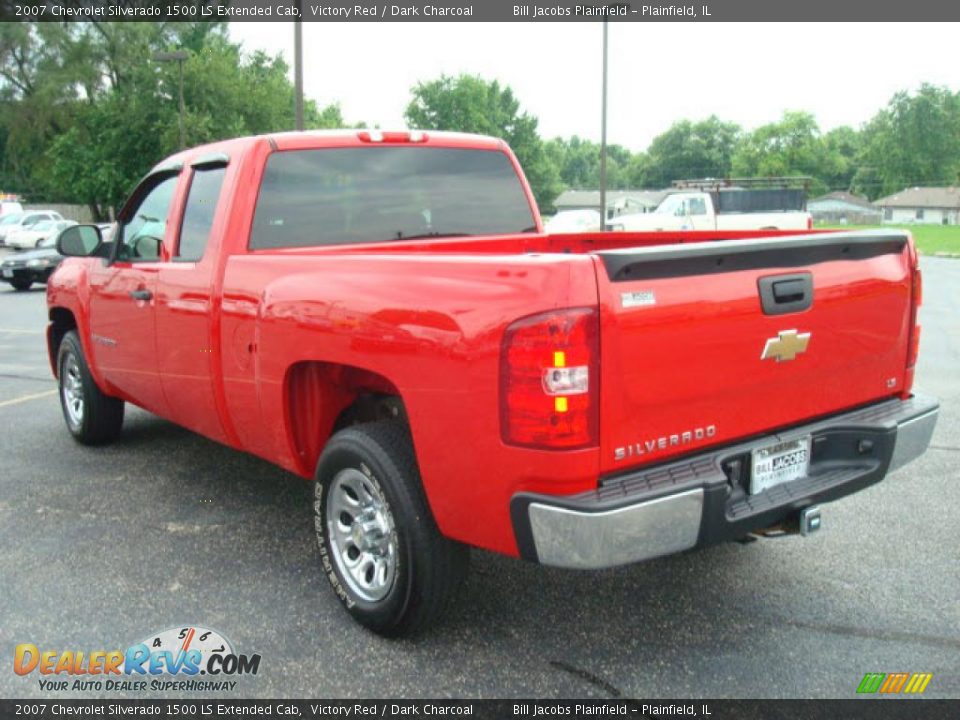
(698, 210)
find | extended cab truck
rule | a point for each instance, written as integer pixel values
(697, 210)
(382, 314)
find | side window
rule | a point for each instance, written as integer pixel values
(199, 213)
(141, 235)
(698, 206)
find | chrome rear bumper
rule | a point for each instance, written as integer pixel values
(702, 499)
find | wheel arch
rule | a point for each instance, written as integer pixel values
(321, 398)
(62, 321)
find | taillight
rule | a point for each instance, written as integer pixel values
(549, 380)
(913, 344)
(916, 298)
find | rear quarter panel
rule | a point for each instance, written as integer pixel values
(432, 326)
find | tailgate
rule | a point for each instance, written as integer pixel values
(707, 343)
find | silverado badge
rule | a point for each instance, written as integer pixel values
(786, 346)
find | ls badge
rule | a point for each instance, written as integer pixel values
(786, 346)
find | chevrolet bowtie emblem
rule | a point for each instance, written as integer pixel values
(786, 346)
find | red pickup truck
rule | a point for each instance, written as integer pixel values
(383, 314)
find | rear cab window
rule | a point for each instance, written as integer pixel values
(339, 196)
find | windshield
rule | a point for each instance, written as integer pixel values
(671, 205)
(377, 194)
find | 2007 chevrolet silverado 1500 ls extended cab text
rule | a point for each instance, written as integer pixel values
(382, 313)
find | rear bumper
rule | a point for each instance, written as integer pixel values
(703, 499)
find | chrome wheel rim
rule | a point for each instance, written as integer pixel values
(362, 534)
(71, 389)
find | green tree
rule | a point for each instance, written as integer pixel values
(689, 150)
(578, 162)
(468, 103)
(915, 140)
(841, 147)
(791, 146)
(86, 111)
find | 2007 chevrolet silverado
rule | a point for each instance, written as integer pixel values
(382, 313)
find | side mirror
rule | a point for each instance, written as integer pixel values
(147, 247)
(79, 241)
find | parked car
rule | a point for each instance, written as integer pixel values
(13, 224)
(34, 266)
(571, 221)
(382, 314)
(32, 236)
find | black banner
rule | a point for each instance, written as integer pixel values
(865, 709)
(481, 10)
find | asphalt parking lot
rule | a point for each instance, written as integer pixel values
(102, 547)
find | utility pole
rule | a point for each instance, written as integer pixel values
(298, 68)
(177, 56)
(603, 137)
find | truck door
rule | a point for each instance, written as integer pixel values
(122, 296)
(185, 315)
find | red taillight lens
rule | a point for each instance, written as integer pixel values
(913, 344)
(916, 301)
(549, 380)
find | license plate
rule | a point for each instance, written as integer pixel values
(779, 463)
(7, 273)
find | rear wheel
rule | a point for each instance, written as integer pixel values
(379, 545)
(92, 417)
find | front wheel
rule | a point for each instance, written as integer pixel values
(92, 417)
(21, 285)
(379, 545)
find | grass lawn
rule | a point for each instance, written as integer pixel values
(930, 239)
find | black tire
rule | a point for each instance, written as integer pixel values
(429, 568)
(20, 285)
(99, 417)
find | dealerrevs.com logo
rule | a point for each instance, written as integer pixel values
(172, 660)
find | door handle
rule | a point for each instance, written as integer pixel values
(141, 294)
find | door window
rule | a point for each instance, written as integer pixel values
(141, 234)
(199, 213)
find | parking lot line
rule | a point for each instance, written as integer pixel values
(24, 398)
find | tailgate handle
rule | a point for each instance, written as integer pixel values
(789, 290)
(781, 294)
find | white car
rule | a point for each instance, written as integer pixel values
(573, 221)
(34, 235)
(16, 222)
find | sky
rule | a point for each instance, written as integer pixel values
(748, 73)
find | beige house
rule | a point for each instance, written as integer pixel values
(922, 206)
